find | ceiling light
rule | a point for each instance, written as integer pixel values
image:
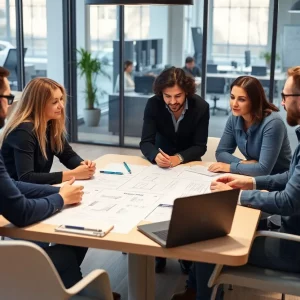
(138, 2)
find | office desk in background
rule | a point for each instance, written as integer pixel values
(232, 250)
(240, 69)
(232, 76)
(134, 106)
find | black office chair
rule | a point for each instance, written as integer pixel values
(11, 64)
(216, 85)
(212, 68)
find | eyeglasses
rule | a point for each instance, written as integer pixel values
(10, 98)
(283, 96)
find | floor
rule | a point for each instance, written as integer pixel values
(115, 263)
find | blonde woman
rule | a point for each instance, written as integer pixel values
(36, 132)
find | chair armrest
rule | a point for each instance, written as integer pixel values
(278, 235)
(96, 284)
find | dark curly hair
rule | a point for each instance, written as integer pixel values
(260, 105)
(172, 76)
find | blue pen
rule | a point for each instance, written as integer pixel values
(127, 168)
(82, 228)
(112, 172)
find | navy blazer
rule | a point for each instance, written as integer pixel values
(26, 203)
(158, 129)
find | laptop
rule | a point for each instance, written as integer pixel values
(194, 219)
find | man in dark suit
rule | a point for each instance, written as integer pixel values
(176, 121)
(190, 68)
(273, 194)
(26, 203)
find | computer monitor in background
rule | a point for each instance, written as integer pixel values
(144, 84)
(259, 71)
(247, 58)
(212, 68)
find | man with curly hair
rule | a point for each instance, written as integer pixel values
(175, 127)
(175, 121)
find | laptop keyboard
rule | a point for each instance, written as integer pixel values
(162, 234)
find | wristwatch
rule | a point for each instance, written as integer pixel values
(180, 157)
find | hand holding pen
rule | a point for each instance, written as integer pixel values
(166, 161)
(163, 160)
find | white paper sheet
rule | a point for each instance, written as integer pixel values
(161, 213)
(125, 200)
(202, 170)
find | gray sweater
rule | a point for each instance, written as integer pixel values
(284, 196)
(266, 142)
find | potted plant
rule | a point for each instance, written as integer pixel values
(267, 57)
(90, 68)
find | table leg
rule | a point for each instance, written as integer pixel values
(141, 277)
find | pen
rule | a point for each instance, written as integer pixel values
(82, 228)
(163, 153)
(112, 172)
(127, 168)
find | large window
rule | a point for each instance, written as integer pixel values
(35, 27)
(35, 38)
(104, 44)
(137, 22)
(238, 24)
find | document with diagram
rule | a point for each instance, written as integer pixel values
(125, 200)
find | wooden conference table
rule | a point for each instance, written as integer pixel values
(232, 250)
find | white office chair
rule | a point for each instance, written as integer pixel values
(259, 278)
(28, 273)
(212, 144)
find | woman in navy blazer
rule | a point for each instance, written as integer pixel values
(258, 131)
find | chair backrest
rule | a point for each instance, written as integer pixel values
(215, 85)
(11, 63)
(212, 68)
(212, 145)
(28, 273)
(144, 84)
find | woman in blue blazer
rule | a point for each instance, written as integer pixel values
(256, 128)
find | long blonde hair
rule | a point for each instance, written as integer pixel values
(31, 108)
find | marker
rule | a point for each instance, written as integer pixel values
(82, 228)
(127, 168)
(112, 172)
